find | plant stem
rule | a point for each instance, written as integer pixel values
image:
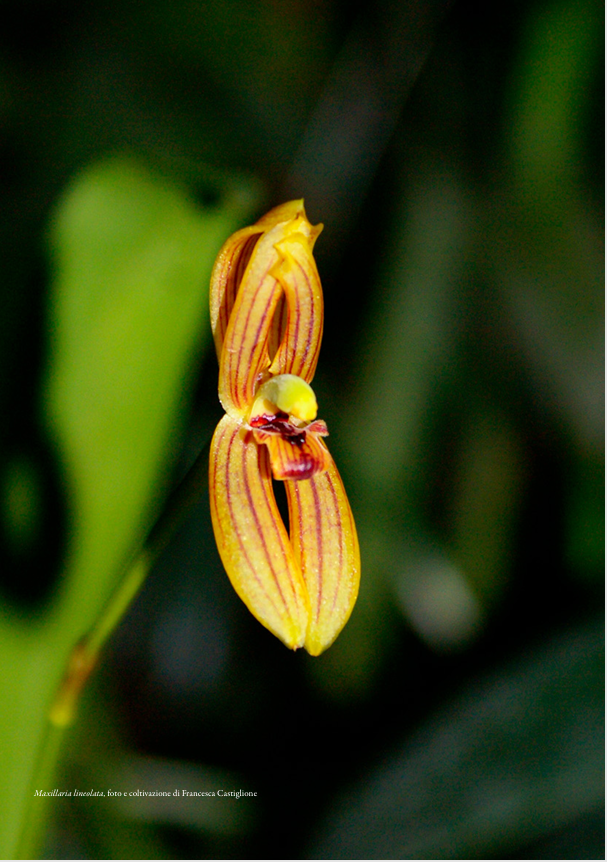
(37, 808)
(85, 654)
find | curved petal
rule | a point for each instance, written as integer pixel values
(297, 273)
(231, 263)
(250, 535)
(227, 274)
(324, 539)
(254, 273)
(244, 354)
(279, 327)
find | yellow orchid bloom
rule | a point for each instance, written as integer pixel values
(267, 319)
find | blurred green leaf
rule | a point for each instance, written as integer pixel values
(546, 243)
(131, 256)
(408, 347)
(517, 757)
(446, 592)
(487, 502)
(405, 350)
(561, 50)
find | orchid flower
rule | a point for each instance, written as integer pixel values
(267, 319)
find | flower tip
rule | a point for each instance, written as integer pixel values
(283, 213)
(292, 214)
(316, 649)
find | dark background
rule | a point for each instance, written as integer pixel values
(454, 153)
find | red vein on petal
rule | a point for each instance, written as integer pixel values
(339, 528)
(284, 317)
(235, 360)
(248, 318)
(234, 521)
(217, 447)
(302, 363)
(304, 353)
(224, 282)
(297, 313)
(310, 367)
(294, 487)
(270, 499)
(290, 357)
(234, 279)
(260, 532)
(352, 532)
(319, 544)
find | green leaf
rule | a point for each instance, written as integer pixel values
(131, 258)
(487, 502)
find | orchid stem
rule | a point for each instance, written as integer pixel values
(85, 654)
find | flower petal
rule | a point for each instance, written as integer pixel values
(227, 274)
(250, 535)
(324, 539)
(251, 278)
(232, 261)
(244, 355)
(297, 457)
(279, 327)
(297, 273)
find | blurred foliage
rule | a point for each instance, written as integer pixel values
(455, 155)
(131, 258)
(518, 757)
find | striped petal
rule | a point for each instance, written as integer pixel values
(231, 264)
(298, 276)
(324, 539)
(227, 274)
(256, 278)
(279, 327)
(250, 535)
(244, 353)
